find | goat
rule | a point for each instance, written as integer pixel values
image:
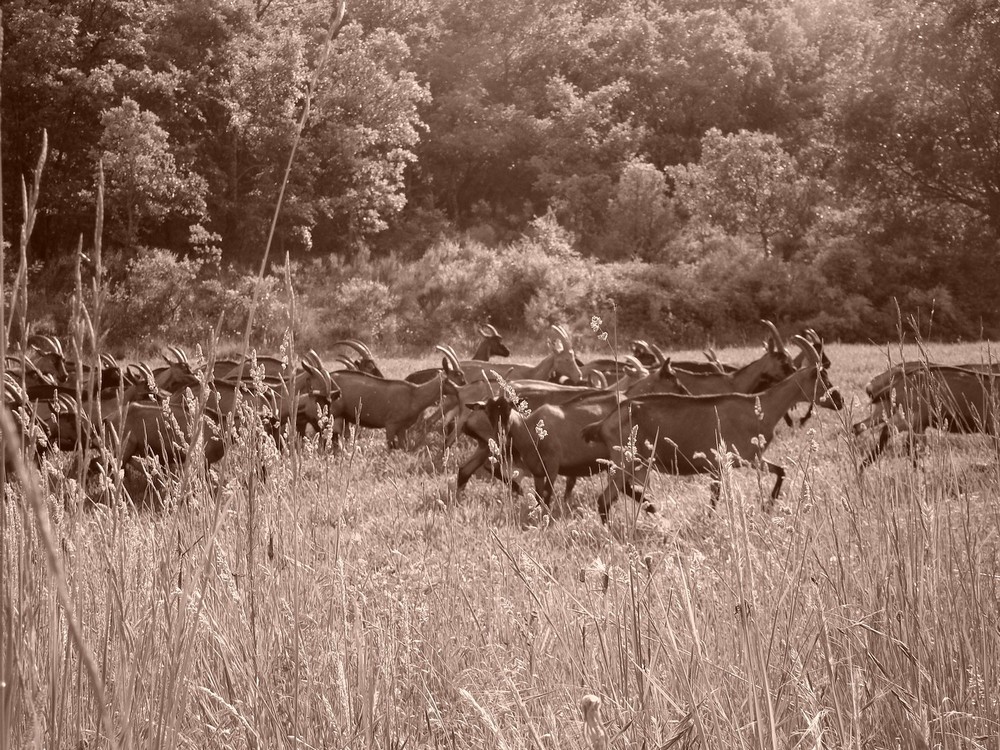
(65, 426)
(32, 436)
(92, 380)
(365, 361)
(51, 358)
(165, 431)
(800, 361)
(559, 363)
(273, 399)
(177, 375)
(530, 397)
(449, 365)
(491, 344)
(605, 372)
(392, 405)
(46, 363)
(914, 396)
(269, 367)
(548, 442)
(650, 355)
(682, 434)
(774, 365)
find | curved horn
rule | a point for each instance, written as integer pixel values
(347, 362)
(67, 402)
(362, 347)
(14, 389)
(180, 354)
(313, 358)
(661, 356)
(563, 335)
(317, 372)
(775, 334)
(55, 344)
(808, 348)
(357, 346)
(489, 330)
(146, 372)
(633, 365)
(597, 379)
(449, 357)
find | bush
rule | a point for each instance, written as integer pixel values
(361, 308)
(164, 298)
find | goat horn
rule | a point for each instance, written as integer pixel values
(808, 348)
(67, 403)
(356, 345)
(42, 343)
(346, 361)
(449, 357)
(313, 357)
(563, 335)
(317, 372)
(660, 355)
(632, 363)
(775, 334)
(363, 348)
(55, 344)
(327, 380)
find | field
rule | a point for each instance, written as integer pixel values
(352, 601)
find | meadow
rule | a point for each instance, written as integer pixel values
(351, 600)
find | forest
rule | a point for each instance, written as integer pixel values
(684, 168)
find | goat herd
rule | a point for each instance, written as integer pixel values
(557, 417)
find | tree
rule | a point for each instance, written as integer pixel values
(639, 209)
(585, 145)
(744, 182)
(917, 125)
(144, 183)
(364, 132)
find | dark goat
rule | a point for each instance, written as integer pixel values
(914, 396)
(491, 344)
(682, 434)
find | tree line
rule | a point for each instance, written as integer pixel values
(848, 142)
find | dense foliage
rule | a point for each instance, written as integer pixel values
(696, 164)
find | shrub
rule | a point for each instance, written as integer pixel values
(361, 308)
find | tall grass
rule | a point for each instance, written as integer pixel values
(343, 603)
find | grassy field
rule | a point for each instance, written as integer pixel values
(352, 601)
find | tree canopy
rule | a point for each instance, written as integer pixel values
(644, 128)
